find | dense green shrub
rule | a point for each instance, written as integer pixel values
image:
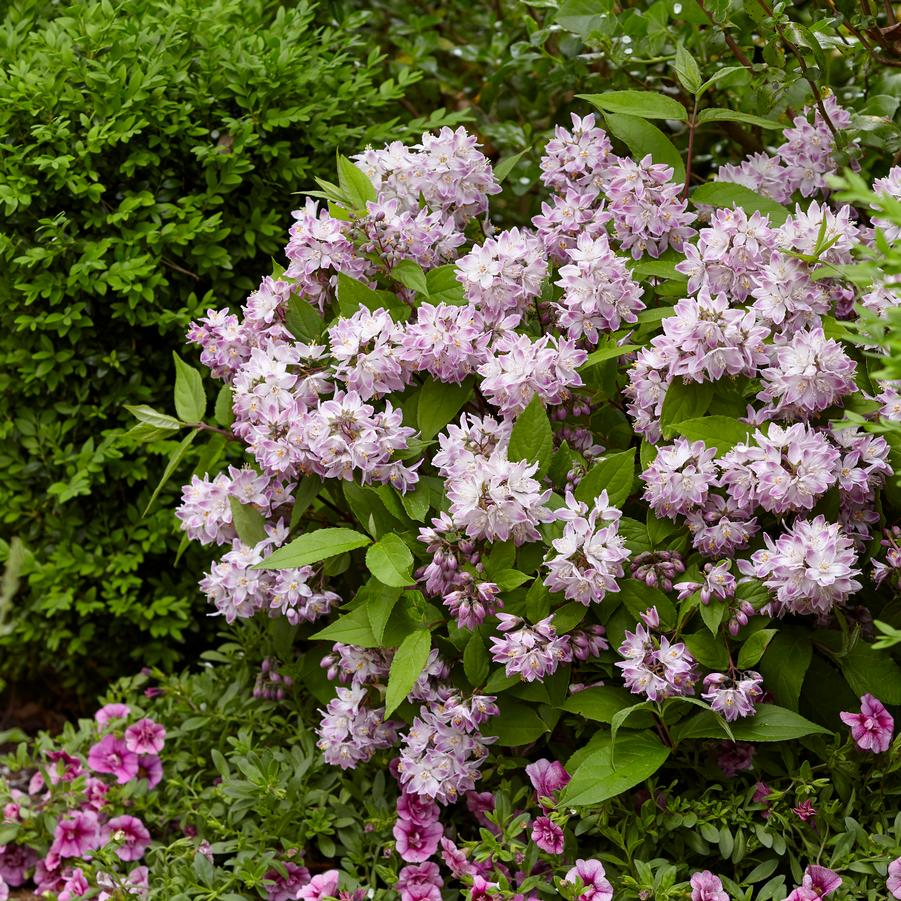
(149, 148)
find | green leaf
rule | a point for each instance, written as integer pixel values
(411, 276)
(637, 596)
(615, 474)
(475, 660)
(714, 114)
(355, 184)
(409, 661)
(505, 166)
(785, 663)
(538, 601)
(312, 547)
(643, 138)
(508, 579)
(174, 459)
(352, 628)
(569, 616)
(380, 602)
(772, 723)
(638, 756)
(439, 403)
(753, 649)
(190, 398)
(685, 401)
(249, 523)
(870, 671)
(352, 294)
(307, 490)
(643, 104)
(443, 286)
(517, 724)
(602, 703)
(302, 320)
(531, 438)
(416, 501)
(391, 562)
(154, 418)
(223, 409)
(721, 432)
(687, 70)
(726, 194)
(707, 650)
(608, 352)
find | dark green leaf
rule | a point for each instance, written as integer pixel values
(174, 459)
(391, 561)
(190, 398)
(727, 194)
(476, 660)
(727, 115)
(607, 352)
(517, 724)
(752, 650)
(439, 403)
(721, 432)
(531, 438)
(249, 523)
(643, 104)
(643, 138)
(685, 401)
(614, 474)
(302, 320)
(406, 667)
(411, 276)
(602, 703)
(505, 166)
(784, 664)
(355, 184)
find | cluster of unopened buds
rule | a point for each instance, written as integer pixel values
(270, 684)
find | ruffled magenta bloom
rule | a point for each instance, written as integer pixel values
(416, 809)
(707, 887)
(321, 886)
(77, 835)
(596, 885)
(547, 777)
(805, 811)
(872, 729)
(421, 882)
(4, 890)
(111, 755)
(417, 843)
(151, 769)
(481, 888)
(76, 886)
(111, 712)
(548, 835)
(285, 888)
(131, 832)
(893, 883)
(145, 737)
(818, 882)
(15, 862)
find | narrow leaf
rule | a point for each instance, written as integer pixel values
(406, 667)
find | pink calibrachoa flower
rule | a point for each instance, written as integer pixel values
(145, 737)
(4, 890)
(285, 888)
(322, 886)
(893, 883)
(15, 862)
(151, 769)
(131, 832)
(422, 882)
(596, 886)
(111, 712)
(547, 777)
(706, 886)
(481, 888)
(548, 836)
(135, 883)
(76, 886)
(111, 755)
(818, 882)
(417, 843)
(872, 729)
(805, 811)
(76, 835)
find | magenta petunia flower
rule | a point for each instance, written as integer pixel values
(548, 835)
(893, 883)
(131, 832)
(111, 712)
(145, 737)
(150, 768)
(417, 843)
(872, 729)
(818, 882)
(322, 886)
(111, 755)
(76, 886)
(76, 835)
(594, 879)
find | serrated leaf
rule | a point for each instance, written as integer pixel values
(380, 602)
(411, 276)
(643, 138)
(517, 724)
(721, 432)
(687, 70)
(508, 579)
(302, 320)
(439, 403)
(715, 114)
(391, 561)
(643, 104)
(154, 418)
(772, 723)
(727, 194)
(753, 649)
(355, 184)
(409, 661)
(532, 439)
(685, 401)
(313, 547)
(597, 778)
(352, 628)
(190, 398)
(615, 474)
(249, 523)
(174, 459)
(304, 495)
(476, 662)
(443, 286)
(223, 409)
(602, 703)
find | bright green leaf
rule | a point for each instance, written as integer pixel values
(391, 561)
(409, 661)
(312, 547)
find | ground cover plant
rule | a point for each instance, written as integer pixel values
(614, 491)
(147, 148)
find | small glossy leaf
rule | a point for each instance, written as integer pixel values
(406, 667)
(531, 438)
(644, 104)
(190, 398)
(391, 561)
(614, 474)
(313, 547)
(439, 403)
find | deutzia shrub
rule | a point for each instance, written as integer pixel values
(550, 513)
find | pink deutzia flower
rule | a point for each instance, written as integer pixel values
(321, 886)
(131, 832)
(707, 887)
(111, 755)
(818, 882)
(547, 835)
(873, 727)
(145, 737)
(893, 883)
(111, 712)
